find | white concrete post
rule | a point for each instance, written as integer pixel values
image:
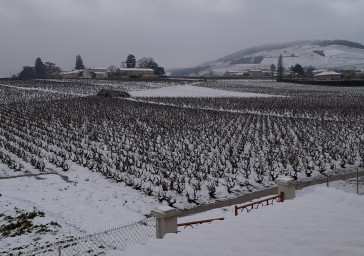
(288, 186)
(166, 220)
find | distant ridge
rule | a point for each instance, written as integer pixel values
(229, 61)
(270, 47)
(255, 49)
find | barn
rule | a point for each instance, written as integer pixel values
(256, 73)
(328, 75)
(95, 73)
(72, 74)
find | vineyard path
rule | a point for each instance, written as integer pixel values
(287, 115)
(51, 172)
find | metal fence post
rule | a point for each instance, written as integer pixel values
(59, 251)
(357, 180)
(166, 220)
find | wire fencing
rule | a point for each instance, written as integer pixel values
(353, 185)
(116, 239)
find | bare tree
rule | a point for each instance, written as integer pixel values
(112, 69)
(145, 62)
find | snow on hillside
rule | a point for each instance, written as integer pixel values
(335, 56)
(189, 91)
(326, 222)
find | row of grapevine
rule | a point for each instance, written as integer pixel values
(179, 155)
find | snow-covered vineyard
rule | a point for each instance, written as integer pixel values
(180, 150)
(188, 156)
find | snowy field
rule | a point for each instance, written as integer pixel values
(325, 223)
(81, 202)
(69, 178)
(100, 203)
(189, 91)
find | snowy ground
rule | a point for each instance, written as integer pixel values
(194, 92)
(325, 223)
(83, 202)
(80, 201)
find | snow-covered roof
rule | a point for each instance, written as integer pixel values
(325, 222)
(72, 72)
(318, 71)
(328, 73)
(99, 69)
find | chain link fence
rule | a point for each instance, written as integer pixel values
(354, 185)
(116, 239)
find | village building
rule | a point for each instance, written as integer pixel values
(138, 72)
(255, 73)
(318, 71)
(72, 74)
(328, 75)
(235, 73)
(95, 73)
(267, 73)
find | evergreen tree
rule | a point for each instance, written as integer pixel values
(27, 72)
(160, 71)
(130, 61)
(280, 67)
(298, 69)
(40, 69)
(79, 62)
(272, 67)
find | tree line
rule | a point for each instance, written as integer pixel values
(51, 70)
(145, 62)
(40, 70)
(297, 69)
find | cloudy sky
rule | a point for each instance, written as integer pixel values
(176, 33)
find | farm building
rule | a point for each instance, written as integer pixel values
(135, 72)
(318, 71)
(255, 73)
(328, 75)
(72, 74)
(95, 73)
(235, 73)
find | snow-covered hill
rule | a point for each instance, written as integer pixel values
(319, 54)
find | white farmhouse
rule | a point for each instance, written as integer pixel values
(72, 74)
(328, 75)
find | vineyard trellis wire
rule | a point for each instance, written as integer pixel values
(98, 243)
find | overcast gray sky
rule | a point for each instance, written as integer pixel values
(176, 33)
